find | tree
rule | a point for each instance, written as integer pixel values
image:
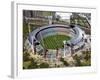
(44, 65)
(58, 17)
(25, 56)
(33, 64)
(64, 62)
(77, 59)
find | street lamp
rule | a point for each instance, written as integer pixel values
(64, 47)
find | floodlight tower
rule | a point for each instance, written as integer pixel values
(50, 19)
(29, 28)
(64, 47)
(34, 45)
(76, 21)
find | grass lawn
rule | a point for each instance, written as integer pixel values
(54, 41)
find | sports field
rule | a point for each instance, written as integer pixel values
(54, 41)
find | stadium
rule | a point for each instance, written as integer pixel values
(55, 39)
(52, 40)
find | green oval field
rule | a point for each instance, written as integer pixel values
(54, 41)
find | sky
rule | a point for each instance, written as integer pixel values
(64, 15)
